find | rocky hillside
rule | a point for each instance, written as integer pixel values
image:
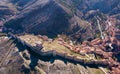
(40, 17)
(53, 17)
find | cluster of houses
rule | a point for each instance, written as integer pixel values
(106, 48)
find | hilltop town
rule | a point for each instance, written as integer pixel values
(99, 52)
(59, 37)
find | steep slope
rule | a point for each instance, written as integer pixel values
(53, 17)
(111, 7)
(7, 10)
(42, 17)
(46, 17)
